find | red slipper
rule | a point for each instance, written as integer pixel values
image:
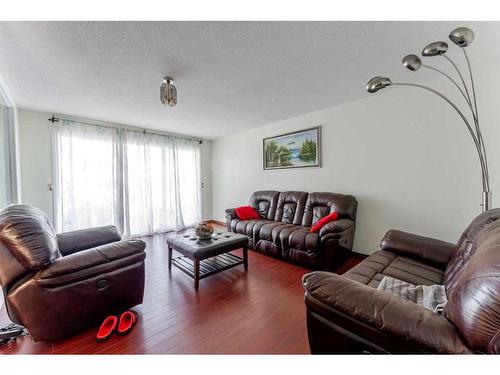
(127, 321)
(107, 327)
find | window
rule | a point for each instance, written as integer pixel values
(85, 183)
(143, 183)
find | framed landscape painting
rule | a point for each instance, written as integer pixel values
(299, 149)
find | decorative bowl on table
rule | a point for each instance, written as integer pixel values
(204, 231)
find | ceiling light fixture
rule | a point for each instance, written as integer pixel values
(168, 92)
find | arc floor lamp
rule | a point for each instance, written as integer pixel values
(462, 37)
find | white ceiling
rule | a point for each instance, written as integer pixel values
(230, 76)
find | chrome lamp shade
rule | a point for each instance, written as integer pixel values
(377, 83)
(412, 62)
(462, 36)
(435, 49)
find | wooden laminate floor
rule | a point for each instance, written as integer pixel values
(260, 311)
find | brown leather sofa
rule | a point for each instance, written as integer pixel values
(57, 284)
(285, 220)
(347, 314)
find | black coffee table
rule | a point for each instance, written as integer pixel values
(203, 258)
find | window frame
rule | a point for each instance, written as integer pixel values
(11, 157)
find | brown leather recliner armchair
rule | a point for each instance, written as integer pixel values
(346, 314)
(57, 284)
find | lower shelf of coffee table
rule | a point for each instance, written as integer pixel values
(208, 266)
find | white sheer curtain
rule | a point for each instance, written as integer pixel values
(86, 184)
(141, 182)
(162, 183)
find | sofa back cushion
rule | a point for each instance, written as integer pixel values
(318, 205)
(265, 202)
(27, 233)
(466, 247)
(290, 207)
(474, 300)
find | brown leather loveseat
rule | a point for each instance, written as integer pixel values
(347, 314)
(285, 220)
(57, 284)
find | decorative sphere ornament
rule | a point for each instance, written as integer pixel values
(204, 231)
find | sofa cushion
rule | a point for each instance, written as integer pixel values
(244, 227)
(247, 227)
(257, 226)
(296, 236)
(319, 205)
(270, 231)
(265, 202)
(301, 239)
(290, 208)
(386, 263)
(285, 233)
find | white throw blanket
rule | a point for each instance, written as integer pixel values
(432, 297)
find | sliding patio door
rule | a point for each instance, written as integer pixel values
(143, 183)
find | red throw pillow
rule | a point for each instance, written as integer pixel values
(246, 213)
(321, 222)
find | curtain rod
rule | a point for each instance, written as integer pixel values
(54, 119)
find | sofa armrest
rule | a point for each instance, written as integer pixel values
(89, 263)
(339, 232)
(230, 216)
(428, 249)
(377, 317)
(337, 226)
(78, 240)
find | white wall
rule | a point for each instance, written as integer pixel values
(36, 163)
(404, 154)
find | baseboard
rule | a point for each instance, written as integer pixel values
(212, 221)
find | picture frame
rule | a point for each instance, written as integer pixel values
(298, 149)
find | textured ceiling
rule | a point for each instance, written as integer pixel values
(230, 76)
